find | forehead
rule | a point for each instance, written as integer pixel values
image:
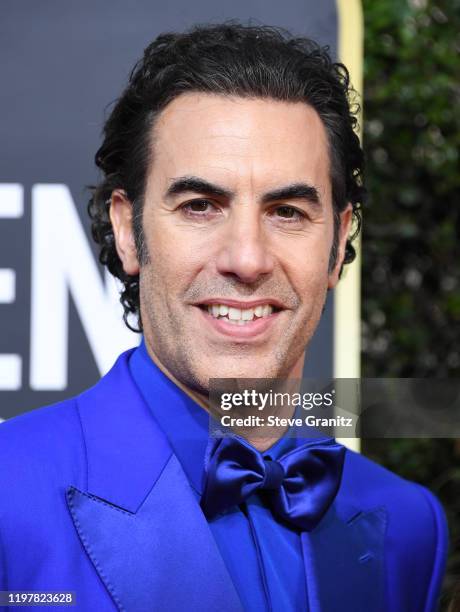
(241, 140)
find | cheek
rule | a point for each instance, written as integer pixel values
(312, 290)
(307, 266)
(173, 264)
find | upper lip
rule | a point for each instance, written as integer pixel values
(242, 305)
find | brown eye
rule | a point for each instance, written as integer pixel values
(288, 212)
(199, 208)
(285, 211)
(198, 205)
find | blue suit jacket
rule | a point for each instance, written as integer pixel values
(93, 500)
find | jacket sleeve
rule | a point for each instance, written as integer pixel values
(440, 551)
(3, 583)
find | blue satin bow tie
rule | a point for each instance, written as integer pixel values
(299, 487)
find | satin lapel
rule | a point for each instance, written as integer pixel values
(136, 515)
(162, 557)
(344, 559)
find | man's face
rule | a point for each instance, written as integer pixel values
(238, 225)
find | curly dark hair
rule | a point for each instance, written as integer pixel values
(230, 59)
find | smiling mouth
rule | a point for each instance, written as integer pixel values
(239, 316)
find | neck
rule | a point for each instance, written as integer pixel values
(259, 442)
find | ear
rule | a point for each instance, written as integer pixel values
(121, 216)
(346, 217)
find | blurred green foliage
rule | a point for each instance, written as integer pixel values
(411, 231)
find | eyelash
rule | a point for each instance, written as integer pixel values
(188, 212)
(299, 214)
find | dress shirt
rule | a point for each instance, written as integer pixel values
(263, 557)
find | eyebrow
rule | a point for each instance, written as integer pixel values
(195, 184)
(295, 191)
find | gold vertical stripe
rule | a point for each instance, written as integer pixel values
(347, 295)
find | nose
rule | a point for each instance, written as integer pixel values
(244, 251)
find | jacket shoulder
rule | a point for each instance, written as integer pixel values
(54, 435)
(416, 532)
(366, 482)
(46, 440)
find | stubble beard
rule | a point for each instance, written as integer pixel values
(175, 349)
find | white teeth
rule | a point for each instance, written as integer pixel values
(239, 316)
(234, 314)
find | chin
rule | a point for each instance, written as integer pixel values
(243, 370)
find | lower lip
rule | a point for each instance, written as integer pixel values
(251, 329)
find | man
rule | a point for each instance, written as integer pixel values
(231, 174)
